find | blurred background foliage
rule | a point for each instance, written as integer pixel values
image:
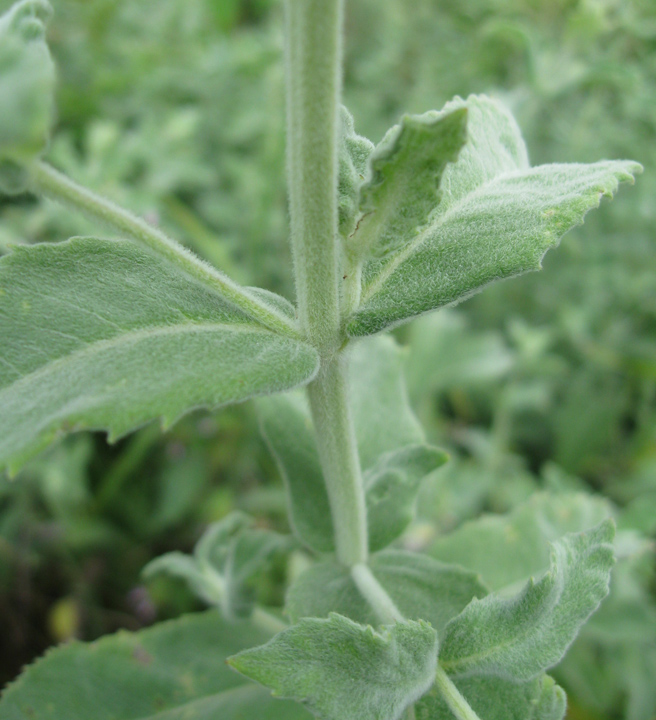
(175, 109)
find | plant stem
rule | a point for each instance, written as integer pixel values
(385, 608)
(374, 593)
(456, 702)
(313, 69)
(266, 621)
(53, 184)
(313, 73)
(339, 460)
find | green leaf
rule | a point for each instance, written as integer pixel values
(173, 671)
(100, 334)
(401, 190)
(507, 549)
(227, 557)
(344, 671)
(420, 587)
(391, 487)
(383, 418)
(517, 638)
(390, 443)
(496, 218)
(497, 699)
(27, 79)
(287, 429)
(354, 152)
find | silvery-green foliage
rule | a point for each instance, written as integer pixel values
(420, 587)
(354, 152)
(108, 335)
(496, 218)
(172, 671)
(27, 78)
(516, 638)
(401, 188)
(507, 549)
(497, 699)
(342, 670)
(391, 487)
(225, 560)
(391, 444)
(105, 334)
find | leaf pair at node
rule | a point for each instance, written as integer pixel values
(110, 335)
(495, 648)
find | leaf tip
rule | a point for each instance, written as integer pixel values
(235, 662)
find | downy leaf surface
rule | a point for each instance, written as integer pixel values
(507, 549)
(100, 334)
(27, 80)
(516, 638)
(496, 218)
(401, 189)
(174, 671)
(354, 152)
(390, 440)
(341, 670)
(391, 487)
(225, 560)
(420, 587)
(497, 699)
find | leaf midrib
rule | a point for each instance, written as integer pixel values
(518, 637)
(134, 337)
(414, 245)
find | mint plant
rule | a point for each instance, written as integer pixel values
(111, 334)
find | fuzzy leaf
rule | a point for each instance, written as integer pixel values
(100, 334)
(517, 638)
(507, 549)
(354, 152)
(344, 671)
(391, 487)
(226, 558)
(383, 418)
(173, 671)
(287, 429)
(390, 443)
(496, 218)
(27, 79)
(496, 699)
(420, 587)
(401, 190)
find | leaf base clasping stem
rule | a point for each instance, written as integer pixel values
(53, 184)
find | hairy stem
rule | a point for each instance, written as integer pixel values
(51, 183)
(267, 622)
(374, 593)
(313, 73)
(338, 453)
(456, 702)
(385, 608)
(313, 66)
